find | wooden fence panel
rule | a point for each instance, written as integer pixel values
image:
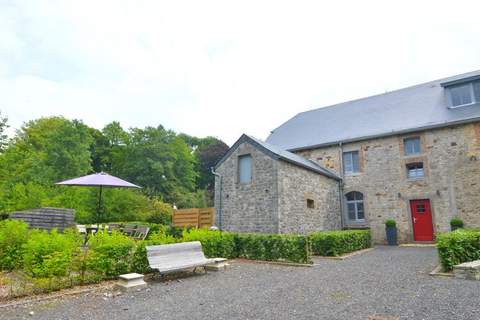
(194, 217)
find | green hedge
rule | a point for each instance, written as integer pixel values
(109, 255)
(53, 260)
(48, 255)
(272, 247)
(336, 243)
(457, 247)
(13, 236)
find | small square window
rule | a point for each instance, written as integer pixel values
(415, 171)
(351, 162)
(420, 208)
(412, 146)
(310, 204)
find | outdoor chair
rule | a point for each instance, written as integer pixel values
(129, 230)
(141, 233)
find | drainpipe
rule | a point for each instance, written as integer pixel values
(340, 186)
(220, 198)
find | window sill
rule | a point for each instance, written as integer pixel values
(414, 155)
(464, 105)
(351, 225)
(416, 179)
(354, 174)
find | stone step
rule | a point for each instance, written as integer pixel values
(467, 270)
(131, 281)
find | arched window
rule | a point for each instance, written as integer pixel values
(355, 209)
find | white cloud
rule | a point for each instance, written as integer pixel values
(221, 67)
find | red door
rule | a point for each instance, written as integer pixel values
(421, 220)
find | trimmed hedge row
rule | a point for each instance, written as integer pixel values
(457, 247)
(53, 261)
(270, 247)
(336, 243)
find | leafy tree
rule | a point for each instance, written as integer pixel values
(48, 150)
(208, 156)
(158, 160)
(3, 136)
(100, 151)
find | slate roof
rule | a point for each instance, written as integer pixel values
(280, 154)
(415, 108)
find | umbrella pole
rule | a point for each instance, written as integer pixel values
(99, 209)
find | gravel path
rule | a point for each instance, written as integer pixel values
(385, 281)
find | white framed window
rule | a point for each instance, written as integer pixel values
(245, 169)
(415, 171)
(412, 146)
(351, 162)
(464, 94)
(355, 207)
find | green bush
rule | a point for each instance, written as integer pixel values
(390, 223)
(456, 223)
(110, 255)
(336, 243)
(48, 255)
(13, 235)
(457, 247)
(160, 213)
(214, 243)
(271, 247)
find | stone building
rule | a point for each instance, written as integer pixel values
(266, 189)
(412, 155)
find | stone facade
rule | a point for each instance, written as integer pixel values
(451, 159)
(249, 207)
(295, 187)
(285, 198)
(276, 199)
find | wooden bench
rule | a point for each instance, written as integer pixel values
(177, 257)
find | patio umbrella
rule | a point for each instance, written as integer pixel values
(100, 180)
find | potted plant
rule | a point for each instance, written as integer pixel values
(391, 231)
(456, 223)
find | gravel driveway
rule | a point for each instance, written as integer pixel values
(384, 282)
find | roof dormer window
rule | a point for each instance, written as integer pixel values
(463, 94)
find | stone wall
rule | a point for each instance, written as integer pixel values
(296, 185)
(451, 158)
(248, 207)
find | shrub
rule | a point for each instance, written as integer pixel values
(161, 213)
(214, 243)
(13, 235)
(456, 223)
(335, 243)
(457, 247)
(390, 223)
(294, 248)
(110, 254)
(49, 255)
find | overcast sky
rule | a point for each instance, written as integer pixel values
(221, 68)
